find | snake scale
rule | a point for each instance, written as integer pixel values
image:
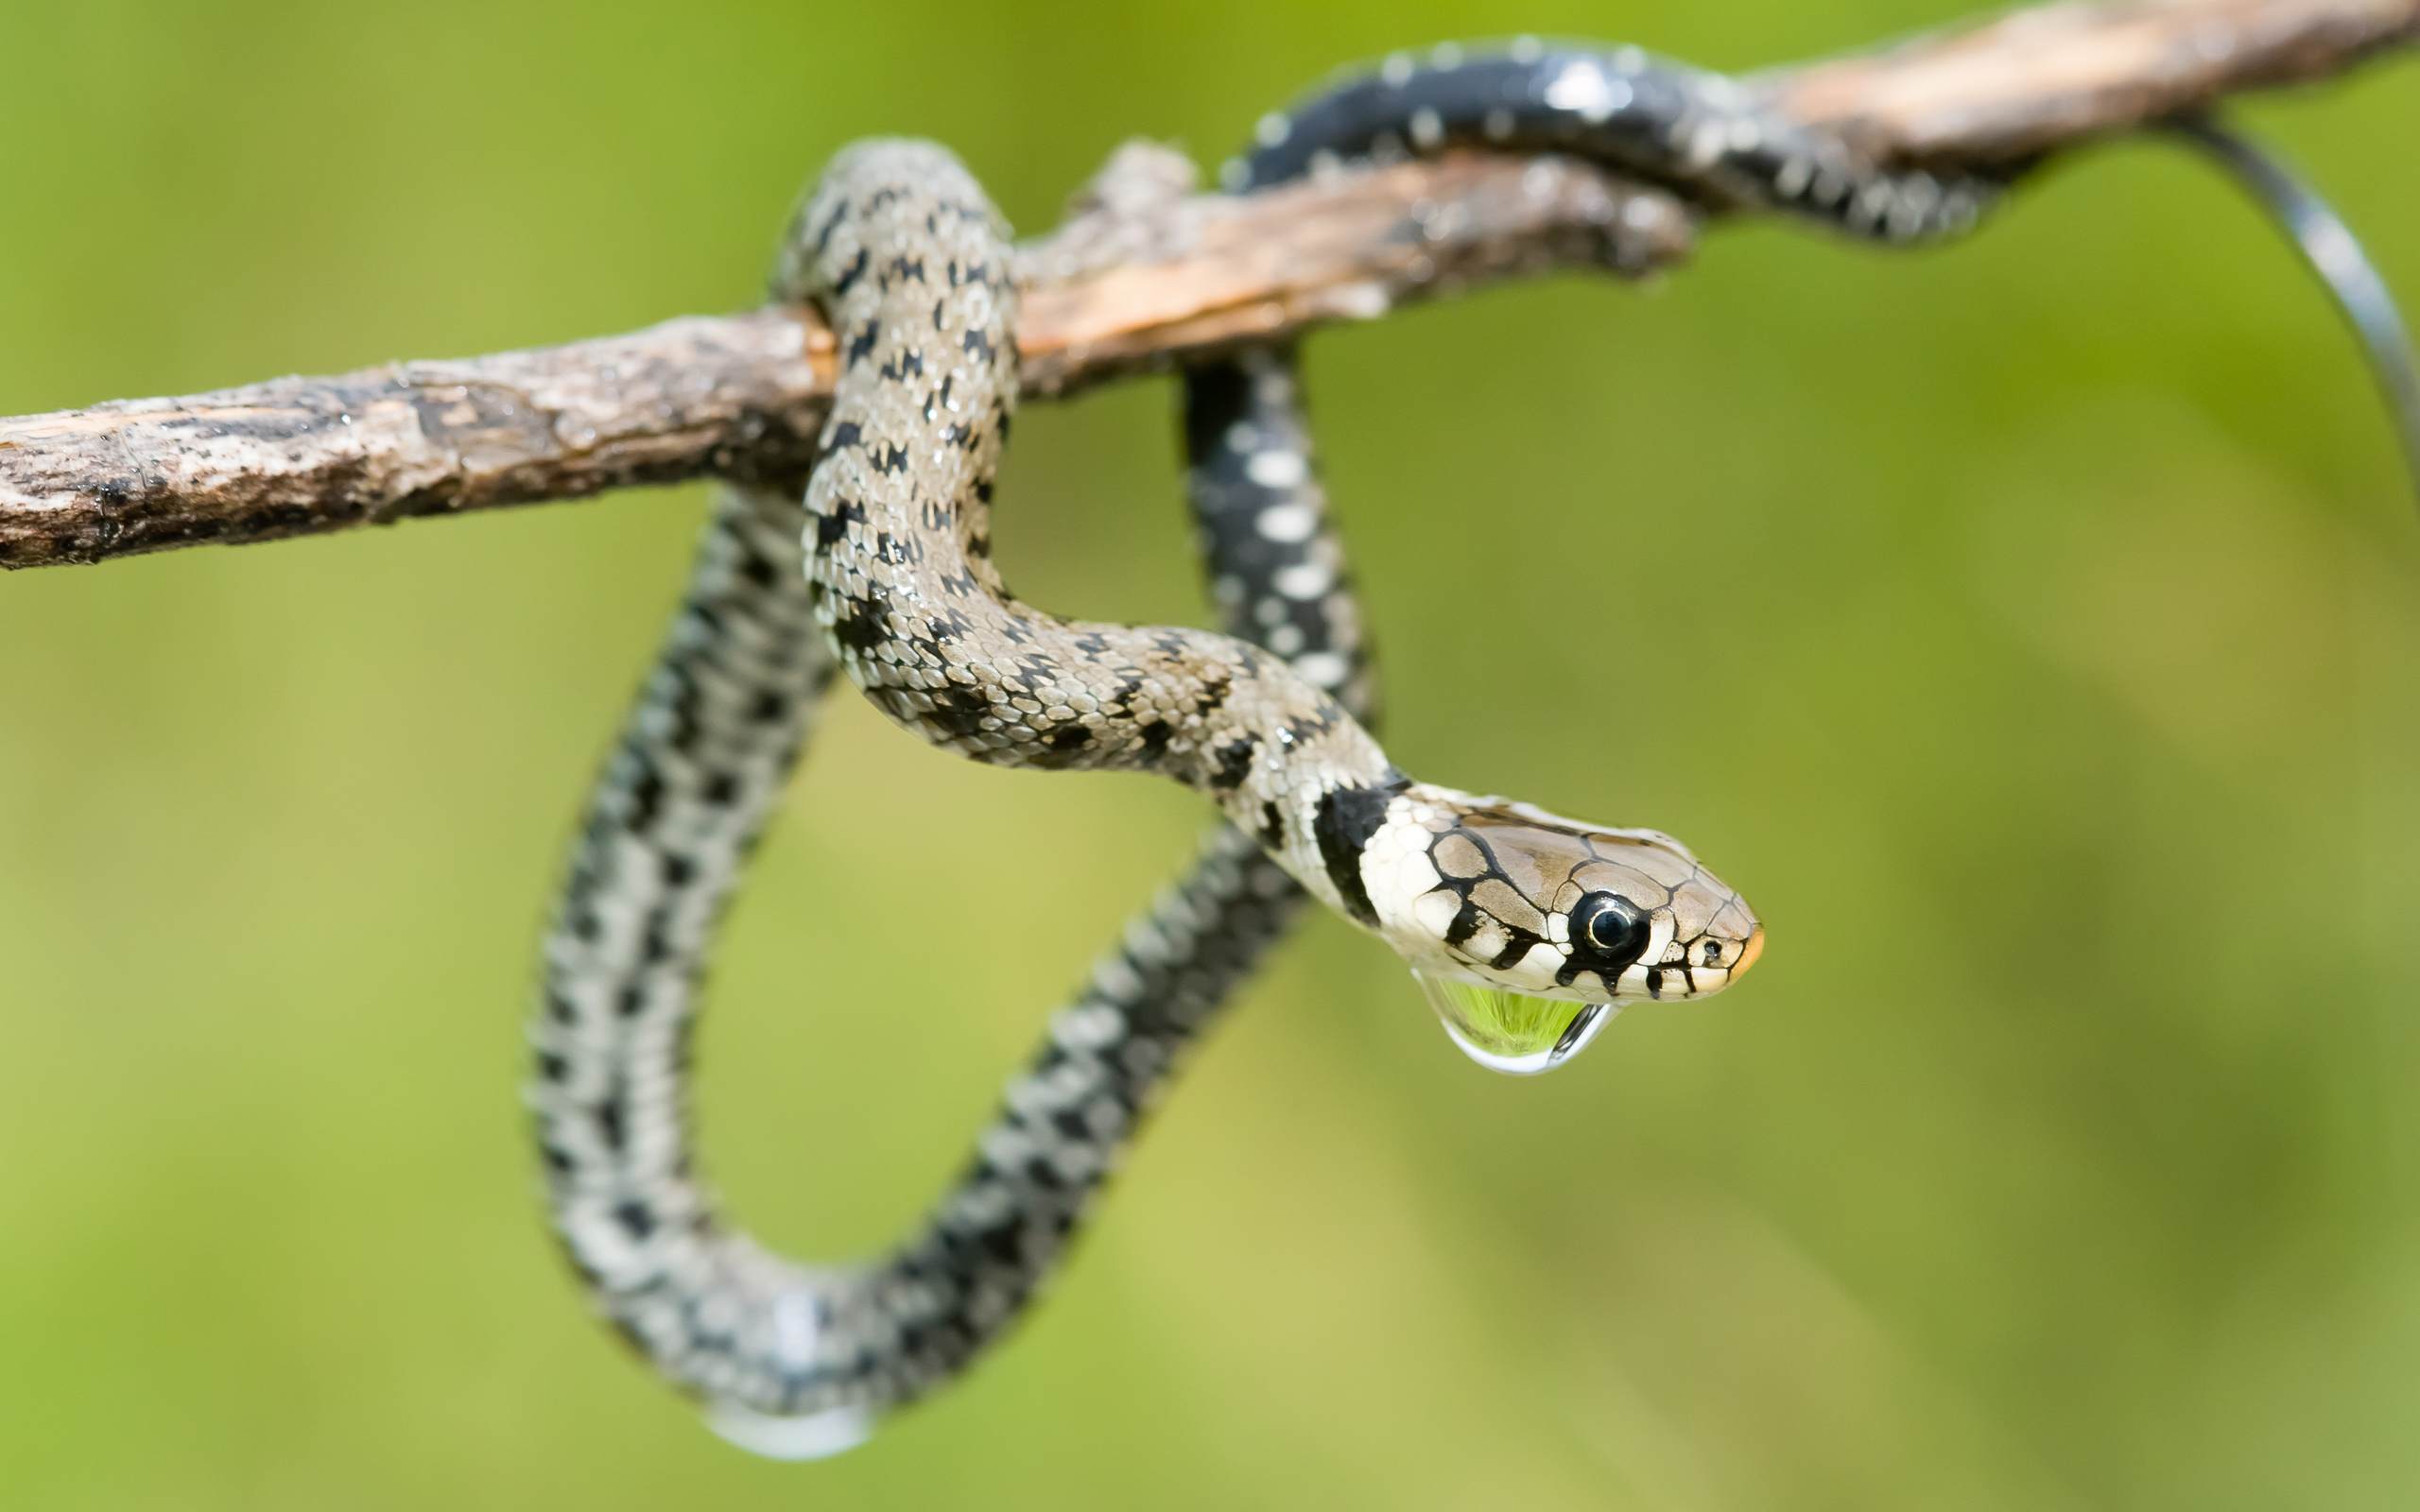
(884, 573)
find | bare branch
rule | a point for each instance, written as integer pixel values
(739, 395)
(2046, 77)
(1145, 274)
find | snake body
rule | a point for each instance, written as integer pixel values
(885, 573)
(795, 1360)
(1697, 132)
(798, 1361)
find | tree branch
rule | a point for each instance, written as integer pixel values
(1143, 275)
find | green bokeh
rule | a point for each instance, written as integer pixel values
(2032, 629)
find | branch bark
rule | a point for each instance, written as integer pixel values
(1143, 275)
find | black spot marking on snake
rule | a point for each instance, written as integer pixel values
(849, 276)
(859, 630)
(676, 869)
(1234, 763)
(1213, 695)
(1467, 923)
(1272, 826)
(609, 1120)
(1215, 396)
(647, 798)
(1346, 819)
(958, 712)
(1517, 943)
(635, 1219)
(1069, 737)
(861, 345)
(839, 214)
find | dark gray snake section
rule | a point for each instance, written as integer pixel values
(1696, 132)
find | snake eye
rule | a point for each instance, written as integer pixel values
(1609, 927)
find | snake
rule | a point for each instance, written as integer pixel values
(1526, 929)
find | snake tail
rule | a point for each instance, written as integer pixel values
(2336, 255)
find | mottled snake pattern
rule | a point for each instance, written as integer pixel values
(701, 762)
(883, 572)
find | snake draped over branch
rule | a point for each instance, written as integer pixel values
(1525, 929)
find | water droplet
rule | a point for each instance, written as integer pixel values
(1512, 1032)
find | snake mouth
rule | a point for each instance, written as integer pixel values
(1699, 968)
(1523, 1034)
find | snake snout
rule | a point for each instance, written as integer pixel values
(1717, 957)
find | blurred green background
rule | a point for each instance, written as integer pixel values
(2059, 594)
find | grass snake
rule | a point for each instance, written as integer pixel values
(883, 571)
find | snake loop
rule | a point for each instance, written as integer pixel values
(798, 1361)
(886, 573)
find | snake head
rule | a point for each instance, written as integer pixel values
(1509, 915)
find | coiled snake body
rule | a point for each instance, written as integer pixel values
(885, 574)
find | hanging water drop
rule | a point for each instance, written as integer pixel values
(1512, 1032)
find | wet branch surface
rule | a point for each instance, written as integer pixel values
(1144, 274)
